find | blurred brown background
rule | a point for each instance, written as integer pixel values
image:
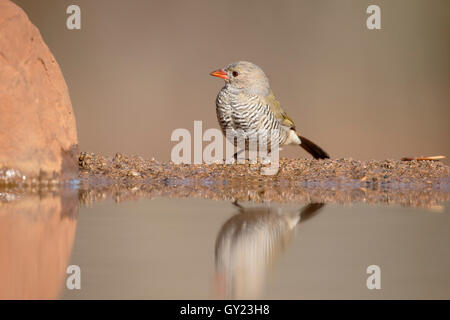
(137, 70)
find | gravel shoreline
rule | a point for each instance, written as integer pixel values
(373, 172)
(424, 184)
(409, 183)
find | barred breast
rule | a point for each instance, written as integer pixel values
(247, 117)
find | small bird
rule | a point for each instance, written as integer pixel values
(246, 106)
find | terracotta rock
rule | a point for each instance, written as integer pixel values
(37, 125)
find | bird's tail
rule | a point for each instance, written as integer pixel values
(310, 210)
(312, 148)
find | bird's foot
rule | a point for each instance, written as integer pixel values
(266, 160)
(270, 171)
(229, 160)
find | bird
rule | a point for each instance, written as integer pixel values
(246, 106)
(249, 244)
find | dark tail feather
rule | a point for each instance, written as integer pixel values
(316, 151)
(310, 210)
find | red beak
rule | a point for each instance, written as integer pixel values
(220, 73)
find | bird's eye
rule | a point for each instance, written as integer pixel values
(235, 73)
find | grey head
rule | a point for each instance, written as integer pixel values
(244, 76)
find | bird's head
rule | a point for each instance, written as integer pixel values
(245, 76)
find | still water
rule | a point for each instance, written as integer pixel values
(190, 248)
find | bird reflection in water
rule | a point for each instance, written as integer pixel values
(249, 243)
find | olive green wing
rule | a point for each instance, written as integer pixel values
(278, 111)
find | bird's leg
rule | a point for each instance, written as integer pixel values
(266, 159)
(270, 158)
(252, 156)
(234, 158)
(237, 158)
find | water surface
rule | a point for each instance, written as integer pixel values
(184, 249)
(191, 248)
